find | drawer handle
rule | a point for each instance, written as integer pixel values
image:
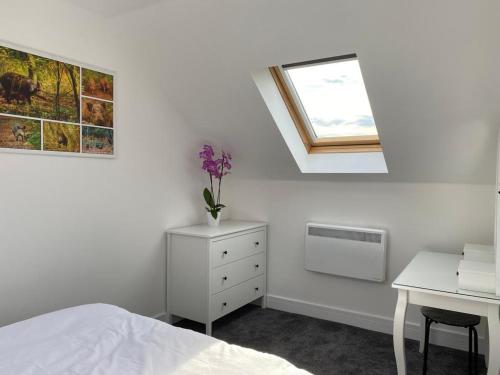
(256, 266)
(224, 304)
(224, 252)
(256, 289)
(257, 243)
(224, 278)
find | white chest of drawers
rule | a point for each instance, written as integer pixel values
(212, 271)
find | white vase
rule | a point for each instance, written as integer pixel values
(211, 221)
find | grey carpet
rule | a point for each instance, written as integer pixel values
(327, 348)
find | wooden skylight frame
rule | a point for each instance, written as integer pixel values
(363, 143)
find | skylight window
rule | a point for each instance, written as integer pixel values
(328, 102)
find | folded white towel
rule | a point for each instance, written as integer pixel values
(479, 253)
(476, 276)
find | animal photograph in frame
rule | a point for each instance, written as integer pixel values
(97, 140)
(37, 86)
(97, 84)
(97, 112)
(20, 133)
(61, 137)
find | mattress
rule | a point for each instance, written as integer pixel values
(105, 339)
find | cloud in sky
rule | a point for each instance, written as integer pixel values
(335, 81)
(366, 121)
(327, 123)
(363, 121)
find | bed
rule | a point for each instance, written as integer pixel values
(105, 339)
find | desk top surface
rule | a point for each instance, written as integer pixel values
(436, 273)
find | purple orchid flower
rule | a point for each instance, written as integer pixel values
(217, 169)
(207, 152)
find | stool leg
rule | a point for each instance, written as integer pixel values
(475, 350)
(422, 334)
(428, 323)
(470, 350)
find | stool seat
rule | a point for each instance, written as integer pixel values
(451, 318)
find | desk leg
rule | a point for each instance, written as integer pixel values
(494, 339)
(399, 331)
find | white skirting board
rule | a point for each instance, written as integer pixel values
(439, 336)
(159, 316)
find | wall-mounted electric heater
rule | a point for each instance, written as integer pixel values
(346, 251)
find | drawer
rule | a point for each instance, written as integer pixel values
(234, 248)
(229, 275)
(231, 299)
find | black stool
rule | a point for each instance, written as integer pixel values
(451, 318)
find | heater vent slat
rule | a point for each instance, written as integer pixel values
(346, 251)
(346, 234)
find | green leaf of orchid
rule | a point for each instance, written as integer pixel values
(208, 198)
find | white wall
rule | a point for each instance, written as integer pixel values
(417, 217)
(79, 230)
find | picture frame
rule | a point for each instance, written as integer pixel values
(51, 101)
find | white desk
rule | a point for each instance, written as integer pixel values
(431, 280)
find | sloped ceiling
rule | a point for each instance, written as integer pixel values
(430, 68)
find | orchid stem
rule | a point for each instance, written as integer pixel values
(211, 185)
(220, 180)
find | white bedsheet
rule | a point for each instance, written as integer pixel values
(104, 339)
